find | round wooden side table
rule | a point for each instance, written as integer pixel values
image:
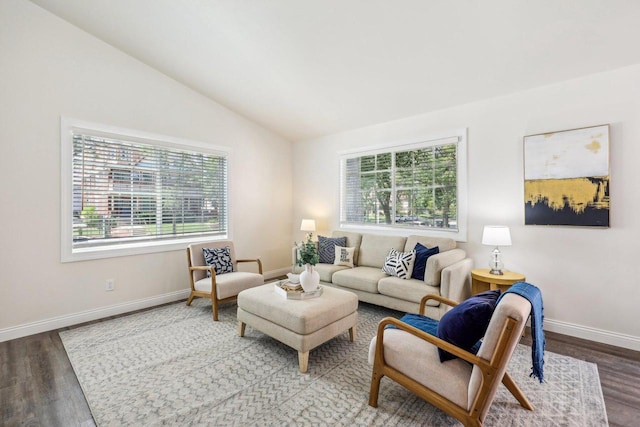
(482, 280)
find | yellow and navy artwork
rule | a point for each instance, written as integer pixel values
(566, 177)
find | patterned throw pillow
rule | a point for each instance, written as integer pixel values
(344, 256)
(326, 248)
(219, 258)
(399, 264)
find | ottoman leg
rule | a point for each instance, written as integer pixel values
(241, 328)
(303, 360)
(352, 333)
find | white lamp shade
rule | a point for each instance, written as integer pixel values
(308, 225)
(496, 235)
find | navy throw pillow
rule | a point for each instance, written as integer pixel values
(327, 248)
(422, 255)
(467, 322)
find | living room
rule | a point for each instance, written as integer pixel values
(52, 69)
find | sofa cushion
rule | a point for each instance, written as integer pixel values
(344, 256)
(360, 278)
(326, 271)
(409, 290)
(422, 255)
(399, 264)
(374, 249)
(467, 322)
(326, 247)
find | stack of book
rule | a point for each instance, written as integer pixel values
(294, 290)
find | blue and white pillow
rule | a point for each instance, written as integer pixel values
(399, 264)
(219, 258)
(326, 248)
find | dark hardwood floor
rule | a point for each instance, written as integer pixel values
(38, 386)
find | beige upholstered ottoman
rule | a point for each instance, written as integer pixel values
(300, 324)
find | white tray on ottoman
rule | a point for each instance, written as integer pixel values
(301, 324)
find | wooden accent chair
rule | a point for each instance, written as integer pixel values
(219, 288)
(464, 390)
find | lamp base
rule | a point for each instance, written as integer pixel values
(496, 272)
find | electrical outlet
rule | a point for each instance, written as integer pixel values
(109, 284)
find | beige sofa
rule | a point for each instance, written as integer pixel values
(447, 273)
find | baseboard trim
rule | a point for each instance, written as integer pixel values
(89, 315)
(45, 325)
(592, 334)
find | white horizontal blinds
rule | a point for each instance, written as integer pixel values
(130, 191)
(367, 189)
(402, 187)
(426, 187)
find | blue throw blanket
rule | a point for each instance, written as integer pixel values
(532, 293)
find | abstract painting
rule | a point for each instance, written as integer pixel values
(566, 177)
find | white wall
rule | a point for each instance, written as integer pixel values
(588, 277)
(49, 69)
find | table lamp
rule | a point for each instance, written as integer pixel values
(496, 235)
(308, 225)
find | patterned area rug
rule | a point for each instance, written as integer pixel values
(174, 366)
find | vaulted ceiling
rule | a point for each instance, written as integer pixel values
(306, 68)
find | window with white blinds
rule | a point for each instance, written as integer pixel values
(130, 192)
(417, 186)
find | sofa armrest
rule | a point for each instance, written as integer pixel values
(456, 282)
(438, 262)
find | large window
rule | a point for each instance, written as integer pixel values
(125, 192)
(414, 187)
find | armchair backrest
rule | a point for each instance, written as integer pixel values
(502, 336)
(196, 257)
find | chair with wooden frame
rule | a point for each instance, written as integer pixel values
(219, 288)
(463, 387)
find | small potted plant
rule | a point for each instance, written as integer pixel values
(308, 256)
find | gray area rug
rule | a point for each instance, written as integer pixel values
(174, 366)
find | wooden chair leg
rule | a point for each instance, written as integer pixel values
(190, 299)
(214, 309)
(375, 388)
(241, 328)
(516, 392)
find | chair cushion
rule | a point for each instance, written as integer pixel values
(418, 359)
(467, 322)
(230, 284)
(399, 264)
(219, 258)
(326, 248)
(422, 255)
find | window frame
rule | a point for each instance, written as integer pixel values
(457, 136)
(69, 126)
